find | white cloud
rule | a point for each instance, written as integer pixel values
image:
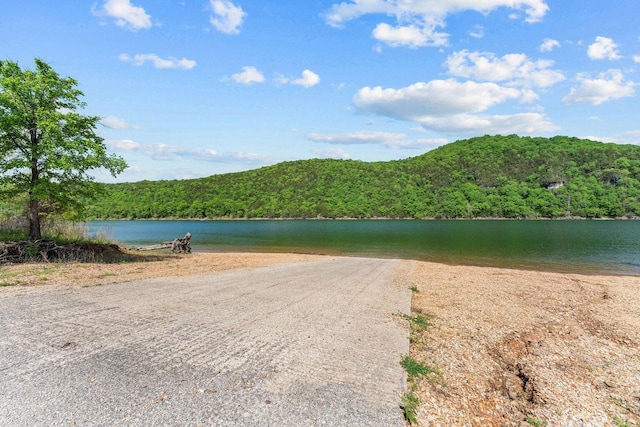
(451, 106)
(526, 123)
(477, 32)
(123, 145)
(308, 79)
(605, 87)
(548, 45)
(172, 152)
(332, 153)
(346, 11)
(409, 35)
(249, 75)
(126, 14)
(603, 48)
(227, 17)
(418, 21)
(139, 60)
(113, 122)
(636, 59)
(388, 139)
(515, 69)
(437, 97)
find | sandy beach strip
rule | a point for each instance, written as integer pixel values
(147, 266)
(508, 347)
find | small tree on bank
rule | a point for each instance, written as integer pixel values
(46, 146)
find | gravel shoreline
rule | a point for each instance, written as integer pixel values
(511, 347)
(522, 348)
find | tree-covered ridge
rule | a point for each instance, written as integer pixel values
(489, 176)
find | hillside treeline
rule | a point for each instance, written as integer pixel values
(489, 176)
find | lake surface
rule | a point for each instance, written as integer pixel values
(568, 246)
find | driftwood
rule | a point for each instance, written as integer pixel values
(180, 245)
(163, 245)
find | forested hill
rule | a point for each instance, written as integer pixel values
(489, 176)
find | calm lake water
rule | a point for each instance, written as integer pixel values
(569, 246)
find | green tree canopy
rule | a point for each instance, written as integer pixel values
(47, 148)
(484, 177)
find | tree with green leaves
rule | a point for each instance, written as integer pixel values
(47, 147)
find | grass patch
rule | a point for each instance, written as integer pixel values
(93, 286)
(103, 275)
(410, 403)
(63, 232)
(414, 368)
(536, 422)
(12, 235)
(620, 422)
(419, 322)
(5, 279)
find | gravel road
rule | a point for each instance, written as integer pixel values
(303, 344)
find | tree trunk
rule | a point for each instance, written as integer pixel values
(34, 220)
(34, 203)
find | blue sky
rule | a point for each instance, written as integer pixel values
(195, 88)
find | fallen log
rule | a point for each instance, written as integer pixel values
(179, 245)
(163, 245)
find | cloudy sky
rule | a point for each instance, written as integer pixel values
(194, 88)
